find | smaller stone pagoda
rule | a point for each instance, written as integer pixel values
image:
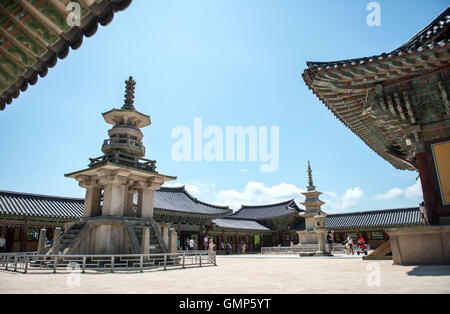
(313, 214)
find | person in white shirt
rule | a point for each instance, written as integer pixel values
(211, 245)
(350, 244)
(191, 244)
(2, 243)
(423, 213)
(205, 242)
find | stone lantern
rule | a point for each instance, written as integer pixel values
(320, 230)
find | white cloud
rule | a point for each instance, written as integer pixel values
(195, 188)
(413, 192)
(344, 202)
(256, 193)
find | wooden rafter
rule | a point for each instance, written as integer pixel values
(18, 44)
(12, 59)
(5, 68)
(59, 6)
(86, 3)
(25, 28)
(40, 17)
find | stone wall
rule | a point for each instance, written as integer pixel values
(421, 246)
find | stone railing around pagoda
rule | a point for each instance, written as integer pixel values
(125, 159)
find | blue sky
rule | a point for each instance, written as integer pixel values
(229, 62)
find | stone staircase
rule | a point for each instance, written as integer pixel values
(70, 236)
(153, 239)
(383, 252)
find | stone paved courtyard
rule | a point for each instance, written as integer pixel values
(248, 274)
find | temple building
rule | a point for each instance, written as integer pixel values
(398, 104)
(22, 215)
(260, 226)
(35, 34)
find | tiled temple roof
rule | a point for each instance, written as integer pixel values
(176, 200)
(376, 218)
(261, 212)
(239, 224)
(433, 35)
(34, 34)
(35, 205)
(371, 95)
(168, 201)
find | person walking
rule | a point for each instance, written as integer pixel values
(211, 245)
(350, 244)
(423, 213)
(229, 248)
(191, 244)
(205, 242)
(2, 243)
(330, 243)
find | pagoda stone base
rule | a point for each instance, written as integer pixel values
(307, 237)
(115, 235)
(421, 246)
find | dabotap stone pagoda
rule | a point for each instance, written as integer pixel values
(113, 223)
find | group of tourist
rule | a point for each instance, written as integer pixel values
(208, 244)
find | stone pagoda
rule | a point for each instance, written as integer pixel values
(313, 215)
(113, 223)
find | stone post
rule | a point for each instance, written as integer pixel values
(128, 212)
(145, 241)
(114, 200)
(173, 240)
(114, 192)
(320, 231)
(165, 234)
(92, 202)
(146, 202)
(56, 240)
(320, 240)
(164, 231)
(41, 244)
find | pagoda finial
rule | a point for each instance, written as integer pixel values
(311, 186)
(129, 94)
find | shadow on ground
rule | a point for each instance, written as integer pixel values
(430, 271)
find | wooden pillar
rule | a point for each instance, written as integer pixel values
(23, 237)
(430, 197)
(10, 232)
